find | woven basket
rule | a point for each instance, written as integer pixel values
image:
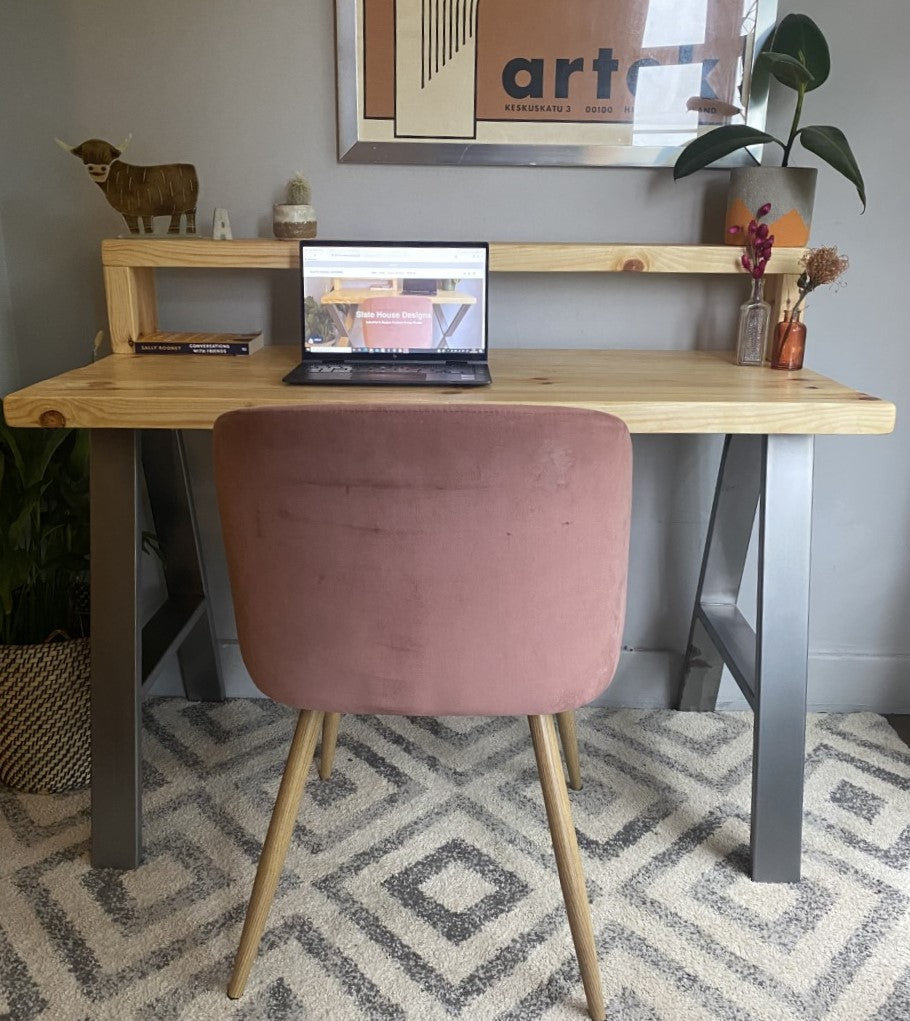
(45, 716)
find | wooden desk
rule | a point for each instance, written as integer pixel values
(652, 391)
(768, 417)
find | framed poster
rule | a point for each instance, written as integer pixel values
(527, 82)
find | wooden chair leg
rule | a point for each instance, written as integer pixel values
(568, 860)
(330, 723)
(275, 848)
(569, 738)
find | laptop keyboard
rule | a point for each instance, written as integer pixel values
(398, 372)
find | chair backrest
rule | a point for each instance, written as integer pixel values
(400, 321)
(426, 559)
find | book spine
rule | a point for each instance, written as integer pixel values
(152, 347)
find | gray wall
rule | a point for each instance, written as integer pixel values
(245, 90)
(9, 361)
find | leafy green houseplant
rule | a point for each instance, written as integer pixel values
(44, 532)
(795, 55)
(44, 651)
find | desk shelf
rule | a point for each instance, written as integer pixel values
(130, 264)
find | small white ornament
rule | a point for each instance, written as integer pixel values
(221, 226)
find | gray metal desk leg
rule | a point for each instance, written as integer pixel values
(729, 530)
(782, 651)
(115, 644)
(770, 663)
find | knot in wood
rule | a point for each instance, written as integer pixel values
(633, 266)
(52, 420)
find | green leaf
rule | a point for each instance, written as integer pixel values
(52, 439)
(716, 144)
(786, 70)
(9, 446)
(14, 572)
(78, 462)
(798, 36)
(7, 584)
(831, 145)
(21, 527)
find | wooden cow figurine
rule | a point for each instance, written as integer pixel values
(140, 193)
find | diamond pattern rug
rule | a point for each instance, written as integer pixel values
(421, 882)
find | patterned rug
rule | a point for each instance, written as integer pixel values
(422, 884)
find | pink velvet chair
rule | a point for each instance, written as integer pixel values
(387, 529)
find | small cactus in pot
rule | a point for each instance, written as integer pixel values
(295, 218)
(298, 191)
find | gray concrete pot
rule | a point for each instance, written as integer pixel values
(791, 192)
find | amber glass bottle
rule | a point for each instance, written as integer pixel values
(789, 344)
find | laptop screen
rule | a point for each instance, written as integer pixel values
(379, 300)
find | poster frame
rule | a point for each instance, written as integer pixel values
(352, 148)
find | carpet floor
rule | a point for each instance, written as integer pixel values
(421, 881)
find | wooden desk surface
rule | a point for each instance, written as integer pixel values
(652, 391)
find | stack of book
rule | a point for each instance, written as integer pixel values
(164, 343)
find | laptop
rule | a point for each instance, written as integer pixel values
(379, 313)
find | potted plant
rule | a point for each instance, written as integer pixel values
(295, 218)
(796, 55)
(44, 651)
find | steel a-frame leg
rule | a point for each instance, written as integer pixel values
(125, 656)
(773, 474)
(184, 623)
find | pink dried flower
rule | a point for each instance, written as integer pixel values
(758, 243)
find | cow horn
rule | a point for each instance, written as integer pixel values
(63, 145)
(125, 142)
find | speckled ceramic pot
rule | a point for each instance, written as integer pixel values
(791, 192)
(293, 222)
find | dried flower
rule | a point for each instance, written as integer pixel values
(820, 266)
(758, 243)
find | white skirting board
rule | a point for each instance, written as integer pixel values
(646, 679)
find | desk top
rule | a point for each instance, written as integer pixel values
(652, 391)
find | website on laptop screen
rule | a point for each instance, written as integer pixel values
(394, 300)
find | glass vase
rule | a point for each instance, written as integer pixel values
(754, 319)
(789, 344)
